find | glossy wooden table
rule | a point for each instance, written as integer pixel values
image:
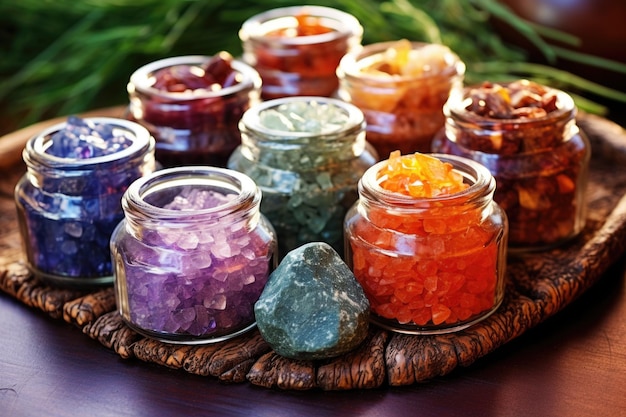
(574, 364)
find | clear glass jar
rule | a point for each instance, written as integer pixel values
(197, 126)
(308, 174)
(297, 49)
(429, 265)
(540, 164)
(68, 207)
(402, 101)
(192, 255)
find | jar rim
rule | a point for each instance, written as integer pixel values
(455, 108)
(343, 25)
(140, 77)
(34, 152)
(251, 118)
(134, 200)
(481, 184)
(352, 63)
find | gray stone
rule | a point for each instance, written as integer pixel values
(312, 306)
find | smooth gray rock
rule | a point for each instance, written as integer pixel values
(312, 306)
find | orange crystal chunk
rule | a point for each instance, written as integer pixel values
(438, 267)
(403, 59)
(420, 175)
(307, 25)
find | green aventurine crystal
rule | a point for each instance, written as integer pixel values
(299, 116)
(307, 156)
(312, 306)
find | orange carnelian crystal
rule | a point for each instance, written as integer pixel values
(451, 282)
(307, 26)
(420, 176)
(310, 25)
(396, 58)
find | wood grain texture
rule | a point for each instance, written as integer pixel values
(150, 350)
(360, 369)
(110, 330)
(275, 371)
(538, 286)
(83, 310)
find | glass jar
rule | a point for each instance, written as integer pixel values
(401, 87)
(193, 124)
(539, 157)
(297, 49)
(429, 265)
(68, 201)
(192, 255)
(307, 155)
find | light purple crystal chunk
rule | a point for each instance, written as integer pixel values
(194, 198)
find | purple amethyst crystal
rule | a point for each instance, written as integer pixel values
(198, 281)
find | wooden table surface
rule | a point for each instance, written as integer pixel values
(573, 364)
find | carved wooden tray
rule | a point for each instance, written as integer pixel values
(538, 286)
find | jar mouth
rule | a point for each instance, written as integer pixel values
(353, 63)
(456, 108)
(251, 119)
(140, 79)
(257, 27)
(481, 185)
(35, 150)
(150, 194)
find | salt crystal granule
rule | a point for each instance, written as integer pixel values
(74, 229)
(205, 237)
(218, 302)
(248, 253)
(69, 247)
(168, 236)
(187, 241)
(220, 275)
(200, 260)
(221, 250)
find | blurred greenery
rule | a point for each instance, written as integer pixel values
(64, 56)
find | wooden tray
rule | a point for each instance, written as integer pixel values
(538, 286)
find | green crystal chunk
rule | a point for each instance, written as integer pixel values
(300, 116)
(312, 306)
